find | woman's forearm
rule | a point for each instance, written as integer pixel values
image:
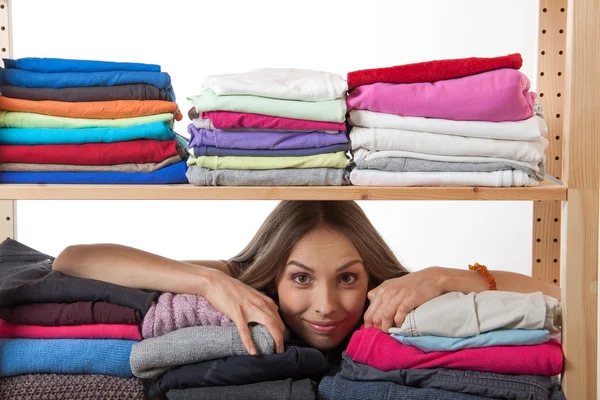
(135, 268)
(466, 281)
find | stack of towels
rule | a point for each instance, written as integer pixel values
(191, 351)
(463, 122)
(269, 127)
(65, 337)
(488, 345)
(81, 121)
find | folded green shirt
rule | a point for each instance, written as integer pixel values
(10, 119)
(328, 111)
(327, 160)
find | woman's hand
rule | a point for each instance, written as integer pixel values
(394, 298)
(243, 304)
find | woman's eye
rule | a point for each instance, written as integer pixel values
(347, 279)
(301, 279)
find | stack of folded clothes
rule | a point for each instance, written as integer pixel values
(81, 121)
(488, 345)
(463, 122)
(64, 337)
(269, 127)
(191, 351)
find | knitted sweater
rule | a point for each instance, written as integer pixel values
(70, 387)
(175, 311)
(151, 357)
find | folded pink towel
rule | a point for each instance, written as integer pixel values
(91, 331)
(495, 96)
(379, 350)
(175, 311)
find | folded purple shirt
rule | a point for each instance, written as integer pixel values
(263, 140)
(216, 151)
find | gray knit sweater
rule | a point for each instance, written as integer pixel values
(151, 357)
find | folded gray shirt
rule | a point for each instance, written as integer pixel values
(406, 164)
(151, 357)
(199, 176)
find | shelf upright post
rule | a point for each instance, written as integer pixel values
(579, 272)
(7, 207)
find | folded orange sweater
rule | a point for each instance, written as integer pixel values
(93, 109)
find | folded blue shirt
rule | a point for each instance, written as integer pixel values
(65, 356)
(37, 136)
(23, 78)
(218, 151)
(36, 64)
(172, 174)
(508, 337)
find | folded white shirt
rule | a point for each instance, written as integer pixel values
(529, 151)
(372, 177)
(280, 83)
(456, 314)
(529, 129)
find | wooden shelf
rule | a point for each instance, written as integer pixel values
(546, 191)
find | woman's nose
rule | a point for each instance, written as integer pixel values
(325, 301)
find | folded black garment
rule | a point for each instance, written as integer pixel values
(26, 276)
(288, 389)
(486, 384)
(138, 91)
(294, 362)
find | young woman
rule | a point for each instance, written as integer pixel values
(315, 266)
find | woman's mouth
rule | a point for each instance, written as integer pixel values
(324, 327)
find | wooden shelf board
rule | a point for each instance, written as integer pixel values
(546, 191)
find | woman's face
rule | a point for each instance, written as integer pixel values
(322, 289)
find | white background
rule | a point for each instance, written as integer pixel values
(194, 39)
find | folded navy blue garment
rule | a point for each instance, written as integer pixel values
(172, 174)
(338, 388)
(36, 64)
(486, 384)
(294, 362)
(217, 151)
(20, 77)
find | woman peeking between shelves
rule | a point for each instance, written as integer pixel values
(317, 267)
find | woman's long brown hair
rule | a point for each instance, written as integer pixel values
(261, 261)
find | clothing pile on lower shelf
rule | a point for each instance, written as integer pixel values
(464, 122)
(191, 351)
(488, 345)
(269, 127)
(65, 337)
(82, 121)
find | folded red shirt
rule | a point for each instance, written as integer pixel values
(431, 71)
(134, 151)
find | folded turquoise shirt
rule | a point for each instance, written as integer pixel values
(64, 65)
(13, 119)
(65, 356)
(37, 136)
(508, 337)
(328, 111)
(30, 79)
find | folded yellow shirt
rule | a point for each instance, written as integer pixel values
(327, 160)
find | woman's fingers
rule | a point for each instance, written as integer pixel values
(242, 326)
(368, 317)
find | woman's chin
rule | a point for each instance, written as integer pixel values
(322, 343)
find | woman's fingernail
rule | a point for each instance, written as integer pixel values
(252, 351)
